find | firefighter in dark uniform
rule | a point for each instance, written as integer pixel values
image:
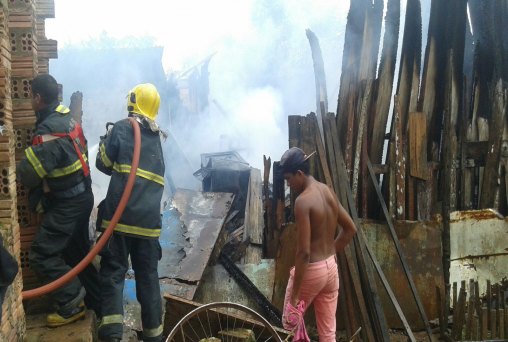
(8, 271)
(138, 230)
(56, 172)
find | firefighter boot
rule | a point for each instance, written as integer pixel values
(66, 316)
(68, 313)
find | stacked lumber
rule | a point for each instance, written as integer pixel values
(435, 137)
(443, 145)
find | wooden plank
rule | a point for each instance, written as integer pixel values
(378, 319)
(489, 300)
(350, 249)
(398, 248)
(330, 152)
(484, 325)
(440, 314)
(418, 145)
(470, 310)
(506, 322)
(324, 163)
(447, 307)
(392, 192)
(499, 307)
(491, 173)
(359, 137)
(253, 224)
(350, 66)
(400, 166)
(269, 218)
(458, 324)
(454, 298)
(320, 80)
(501, 323)
(492, 325)
(386, 76)
(348, 149)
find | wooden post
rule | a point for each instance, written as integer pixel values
(359, 137)
(478, 303)
(392, 192)
(440, 313)
(501, 323)
(493, 328)
(489, 301)
(470, 309)
(447, 306)
(484, 327)
(506, 321)
(320, 78)
(499, 307)
(400, 165)
(496, 126)
(475, 329)
(454, 298)
(458, 323)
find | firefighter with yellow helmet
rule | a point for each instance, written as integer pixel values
(138, 230)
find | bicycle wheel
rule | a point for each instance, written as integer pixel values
(223, 321)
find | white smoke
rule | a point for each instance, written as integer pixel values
(261, 73)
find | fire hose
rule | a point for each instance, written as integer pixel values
(45, 289)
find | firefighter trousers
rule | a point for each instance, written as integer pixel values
(145, 255)
(61, 242)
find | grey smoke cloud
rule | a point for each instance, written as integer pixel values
(261, 73)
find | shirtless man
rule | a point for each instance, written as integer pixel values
(314, 278)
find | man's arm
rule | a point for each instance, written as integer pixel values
(39, 161)
(108, 151)
(348, 229)
(302, 215)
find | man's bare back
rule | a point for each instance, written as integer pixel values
(324, 212)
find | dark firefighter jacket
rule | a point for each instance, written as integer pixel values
(141, 217)
(55, 161)
(8, 271)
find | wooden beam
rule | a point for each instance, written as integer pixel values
(491, 173)
(320, 78)
(418, 145)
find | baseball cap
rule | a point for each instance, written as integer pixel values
(293, 158)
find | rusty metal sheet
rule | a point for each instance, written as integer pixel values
(478, 246)
(190, 227)
(421, 245)
(219, 286)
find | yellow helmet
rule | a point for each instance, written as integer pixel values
(144, 99)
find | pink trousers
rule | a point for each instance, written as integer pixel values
(320, 286)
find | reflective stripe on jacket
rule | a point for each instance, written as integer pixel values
(141, 216)
(56, 160)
